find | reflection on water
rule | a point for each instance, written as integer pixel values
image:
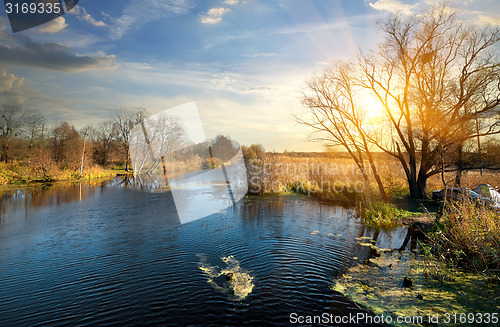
(17, 201)
(121, 256)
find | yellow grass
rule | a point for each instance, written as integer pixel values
(468, 234)
(340, 179)
(23, 172)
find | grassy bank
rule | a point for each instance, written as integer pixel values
(382, 214)
(23, 172)
(329, 179)
(467, 235)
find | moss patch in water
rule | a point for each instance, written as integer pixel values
(233, 281)
(378, 285)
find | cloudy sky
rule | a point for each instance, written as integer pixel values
(244, 62)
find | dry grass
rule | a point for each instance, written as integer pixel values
(474, 178)
(326, 178)
(95, 172)
(340, 179)
(323, 177)
(25, 172)
(468, 234)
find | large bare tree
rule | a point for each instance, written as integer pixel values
(438, 81)
(434, 75)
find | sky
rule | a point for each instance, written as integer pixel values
(244, 62)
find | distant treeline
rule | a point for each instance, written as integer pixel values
(26, 137)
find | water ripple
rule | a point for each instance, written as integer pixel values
(113, 259)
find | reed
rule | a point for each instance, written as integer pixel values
(468, 235)
(332, 179)
(338, 178)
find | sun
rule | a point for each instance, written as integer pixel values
(371, 107)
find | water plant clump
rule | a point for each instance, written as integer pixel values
(367, 241)
(406, 284)
(233, 281)
(381, 214)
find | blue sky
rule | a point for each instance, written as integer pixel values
(244, 62)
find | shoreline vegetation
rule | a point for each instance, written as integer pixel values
(20, 174)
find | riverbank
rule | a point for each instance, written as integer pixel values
(20, 174)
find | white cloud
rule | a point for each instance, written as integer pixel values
(231, 2)
(260, 89)
(214, 15)
(483, 19)
(82, 14)
(53, 26)
(139, 12)
(9, 81)
(260, 54)
(393, 6)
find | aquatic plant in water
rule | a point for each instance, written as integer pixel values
(233, 281)
(379, 285)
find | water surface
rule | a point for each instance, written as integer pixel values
(103, 254)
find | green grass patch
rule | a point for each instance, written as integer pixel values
(381, 214)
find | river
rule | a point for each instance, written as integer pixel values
(102, 254)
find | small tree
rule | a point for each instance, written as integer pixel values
(223, 148)
(35, 124)
(66, 144)
(339, 119)
(124, 121)
(103, 137)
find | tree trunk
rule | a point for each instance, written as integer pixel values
(127, 157)
(418, 186)
(460, 166)
(422, 184)
(413, 185)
